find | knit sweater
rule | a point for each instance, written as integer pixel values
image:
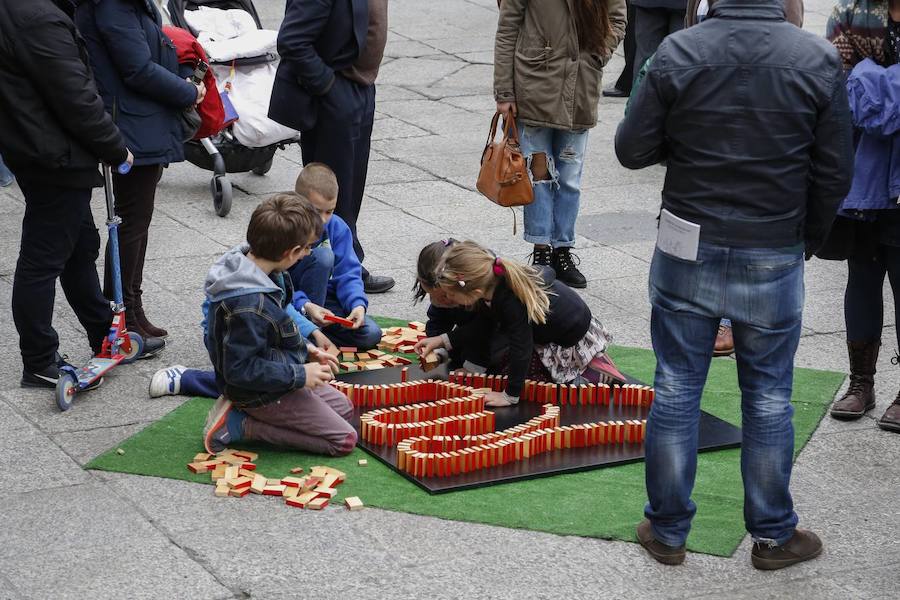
(858, 29)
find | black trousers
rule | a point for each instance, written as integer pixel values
(59, 240)
(341, 139)
(863, 298)
(626, 79)
(651, 26)
(135, 195)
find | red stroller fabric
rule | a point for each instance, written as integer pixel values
(212, 113)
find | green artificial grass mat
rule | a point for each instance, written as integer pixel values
(604, 503)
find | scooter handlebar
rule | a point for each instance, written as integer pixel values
(123, 169)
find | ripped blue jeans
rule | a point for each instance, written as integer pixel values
(550, 219)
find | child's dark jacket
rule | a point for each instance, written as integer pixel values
(255, 347)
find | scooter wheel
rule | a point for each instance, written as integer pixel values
(221, 193)
(66, 387)
(137, 346)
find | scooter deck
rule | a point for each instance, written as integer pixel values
(96, 368)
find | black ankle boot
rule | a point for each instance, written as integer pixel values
(542, 256)
(566, 266)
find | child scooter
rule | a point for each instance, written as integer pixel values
(120, 345)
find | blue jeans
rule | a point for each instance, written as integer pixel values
(312, 275)
(761, 290)
(550, 219)
(199, 382)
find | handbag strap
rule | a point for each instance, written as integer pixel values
(510, 131)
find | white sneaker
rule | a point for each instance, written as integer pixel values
(167, 382)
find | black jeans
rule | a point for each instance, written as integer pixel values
(341, 139)
(135, 195)
(626, 79)
(651, 26)
(863, 298)
(59, 240)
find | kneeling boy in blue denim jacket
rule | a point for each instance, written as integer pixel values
(270, 392)
(329, 280)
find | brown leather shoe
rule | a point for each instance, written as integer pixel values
(146, 325)
(667, 555)
(724, 342)
(890, 420)
(860, 396)
(803, 546)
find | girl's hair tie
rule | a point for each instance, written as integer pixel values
(499, 270)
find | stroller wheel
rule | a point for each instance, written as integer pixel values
(221, 193)
(263, 168)
(66, 387)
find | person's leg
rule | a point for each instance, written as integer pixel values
(537, 148)
(199, 382)
(765, 302)
(134, 198)
(650, 27)
(361, 148)
(623, 83)
(676, 21)
(308, 420)
(52, 227)
(890, 420)
(686, 299)
(311, 275)
(568, 156)
(81, 284)
(864, 317)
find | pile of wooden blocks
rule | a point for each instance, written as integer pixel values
(352, 361)
(402, 339)
(234, 473)
(562, 394)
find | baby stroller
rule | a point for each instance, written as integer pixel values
(248, 145)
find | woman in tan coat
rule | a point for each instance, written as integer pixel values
(548, 62)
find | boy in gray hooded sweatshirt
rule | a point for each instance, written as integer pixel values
(271, 393)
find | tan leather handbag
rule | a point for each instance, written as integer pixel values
(503, 178)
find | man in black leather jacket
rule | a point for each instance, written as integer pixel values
(751, 116)
(55, 131)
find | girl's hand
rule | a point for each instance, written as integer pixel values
(316, 314)
(505, 107)
(498, 399)
(428, 345)
(358, 316)
(316, 375)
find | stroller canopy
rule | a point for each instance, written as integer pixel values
(178, 7)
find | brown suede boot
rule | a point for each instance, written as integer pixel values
(860, 396)
(146, 325)
(890, 420)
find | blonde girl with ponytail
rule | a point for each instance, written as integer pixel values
(513, 301)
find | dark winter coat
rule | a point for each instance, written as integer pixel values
(751, 167)
(136, 67)
(53, 123)
(318, 39)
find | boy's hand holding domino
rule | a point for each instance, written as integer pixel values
(316, 314)
(317, 374)
(358, 316)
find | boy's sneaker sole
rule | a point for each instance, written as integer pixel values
(215, 421)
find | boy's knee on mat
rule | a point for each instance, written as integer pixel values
(346, 446)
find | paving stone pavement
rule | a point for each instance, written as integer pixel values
(71, 533)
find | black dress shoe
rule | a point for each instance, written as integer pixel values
(614, 92)
(377, 284)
